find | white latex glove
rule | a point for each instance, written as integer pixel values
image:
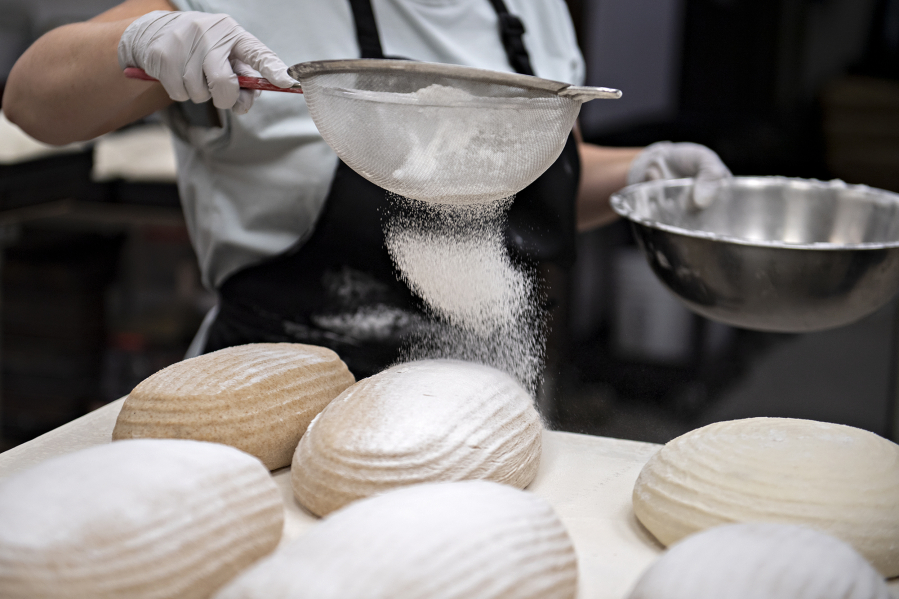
(197, 56)
(667, 160)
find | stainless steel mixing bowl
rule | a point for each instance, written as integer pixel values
(771, 253)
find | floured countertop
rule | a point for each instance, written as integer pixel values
(588, 480)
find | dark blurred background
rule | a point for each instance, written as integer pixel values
(100, 287)
(801, 88)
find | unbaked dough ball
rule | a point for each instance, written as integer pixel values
(426, 421)
(761, 561)
(834, 478)
(146, 519)
(462, 540)
(258, 398)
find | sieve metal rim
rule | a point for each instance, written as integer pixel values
(495, 103)
(322, 67)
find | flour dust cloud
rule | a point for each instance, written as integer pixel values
(482, 306)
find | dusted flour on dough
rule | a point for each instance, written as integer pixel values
(258, 398)
(761, 561)
(427, 421)
(144, 519)
(462, 540)
(837, 479)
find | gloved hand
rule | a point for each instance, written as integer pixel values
(666, 160)
(197, 56)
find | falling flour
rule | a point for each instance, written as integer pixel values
(483, 307)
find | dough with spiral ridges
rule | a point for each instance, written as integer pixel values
(424, 421)
(760, 560)
(837, 479)
(258, 398)
(461, 540)
(143, 519)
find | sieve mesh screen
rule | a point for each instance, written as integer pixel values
(439, 138)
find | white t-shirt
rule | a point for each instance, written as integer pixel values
(255, 187)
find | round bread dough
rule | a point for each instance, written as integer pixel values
(754, 560)
(145, 519)
(837, 479)
(258, 398)
(426, 421)
(461, 540)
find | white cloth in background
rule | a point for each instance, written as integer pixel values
(17, 146)
(255, 187)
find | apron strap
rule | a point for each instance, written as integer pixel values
(366, 29)
(511, 30)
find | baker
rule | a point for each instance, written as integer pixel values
(289, 236)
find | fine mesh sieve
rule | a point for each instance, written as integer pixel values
(441, 133)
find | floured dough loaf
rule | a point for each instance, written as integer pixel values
(837, 479)
(145, 519)
(462, 540)
(426, 421)
(258, 398)
(755, 560)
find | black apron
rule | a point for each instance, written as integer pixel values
(339, 288)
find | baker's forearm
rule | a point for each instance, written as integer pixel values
(68, 86)
(603, 172)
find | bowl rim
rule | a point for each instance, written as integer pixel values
(621, 206)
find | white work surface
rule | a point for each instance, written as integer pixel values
(588, 480)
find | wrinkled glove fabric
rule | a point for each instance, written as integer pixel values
(667, 160)
(197, 56)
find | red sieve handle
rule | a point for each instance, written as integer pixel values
(244, 82)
